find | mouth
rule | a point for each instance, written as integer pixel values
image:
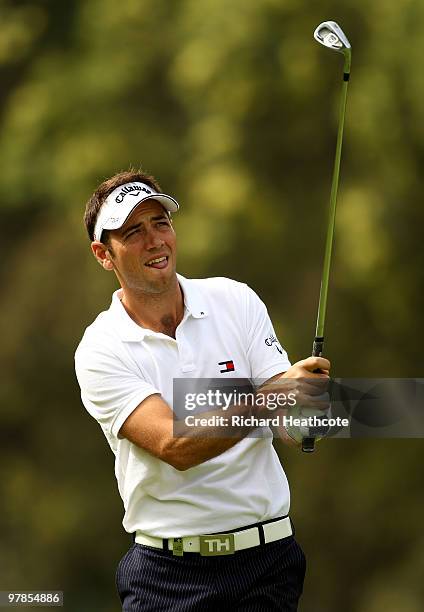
(159, 262)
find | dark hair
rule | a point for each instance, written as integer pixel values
(95, 203)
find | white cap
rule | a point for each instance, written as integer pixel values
(121, 202)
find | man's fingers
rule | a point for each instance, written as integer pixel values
(312, 367)
(315, 363)
(321, 402)
(316, 386)
(306, 385)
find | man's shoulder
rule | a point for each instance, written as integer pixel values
(218, 285)
(223, 289)
(100, 325)
(100, 333)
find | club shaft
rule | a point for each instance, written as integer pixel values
(308, 444)
(322, 305)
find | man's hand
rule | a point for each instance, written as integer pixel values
(305, 384)
(306, 380)
(307, 366)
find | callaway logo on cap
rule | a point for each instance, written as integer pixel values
(123, 200)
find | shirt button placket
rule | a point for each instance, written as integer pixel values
(185, 353)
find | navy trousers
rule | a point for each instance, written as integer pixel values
(260, 579)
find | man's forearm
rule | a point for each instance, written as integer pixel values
(202, 436)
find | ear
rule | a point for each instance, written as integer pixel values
(102, 254)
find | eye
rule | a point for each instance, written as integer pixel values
(132, 233)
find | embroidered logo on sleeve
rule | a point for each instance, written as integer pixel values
(272, 340)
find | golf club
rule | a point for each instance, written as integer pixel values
(330, 34)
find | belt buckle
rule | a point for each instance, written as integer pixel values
(177, 547)
(217, 544)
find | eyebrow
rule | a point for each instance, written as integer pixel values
(137, 225)
(130, 228)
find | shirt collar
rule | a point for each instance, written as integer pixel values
(194, 300)
(130, 331)
(127, 328)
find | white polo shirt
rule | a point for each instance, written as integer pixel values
(119, 364)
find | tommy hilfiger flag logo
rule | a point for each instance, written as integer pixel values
(228, 366)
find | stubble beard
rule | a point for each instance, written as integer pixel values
(155, 288)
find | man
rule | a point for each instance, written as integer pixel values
(209, 513)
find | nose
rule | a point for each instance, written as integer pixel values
(153, 240)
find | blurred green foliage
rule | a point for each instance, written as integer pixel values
(233, 107)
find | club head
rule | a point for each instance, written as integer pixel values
(330, 34)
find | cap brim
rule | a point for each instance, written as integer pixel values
(167, 202)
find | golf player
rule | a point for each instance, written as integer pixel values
(208, 513)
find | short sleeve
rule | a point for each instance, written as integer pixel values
(265, 353)
(110, 388)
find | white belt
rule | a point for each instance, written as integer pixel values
(221, 543)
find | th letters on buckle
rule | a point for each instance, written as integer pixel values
(217, 544)
(177, 547)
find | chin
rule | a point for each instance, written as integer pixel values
(160, 284)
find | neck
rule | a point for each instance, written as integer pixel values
(160, 312)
